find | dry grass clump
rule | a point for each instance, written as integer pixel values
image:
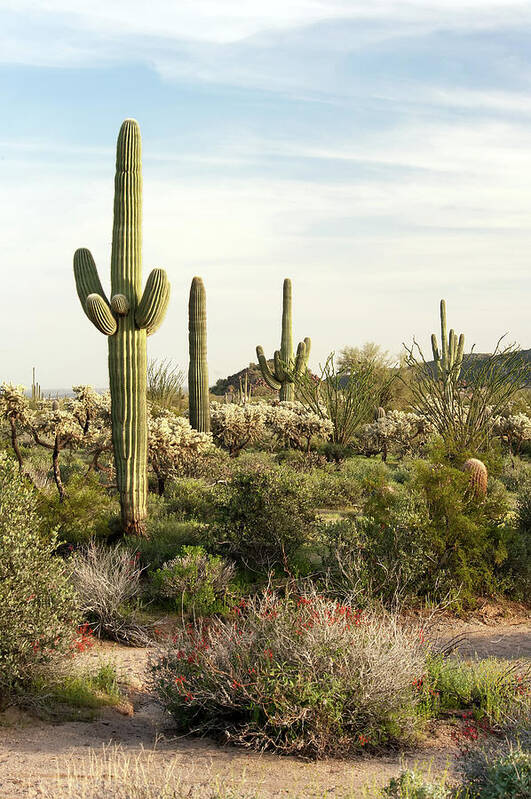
(115, 774)
(106, 580)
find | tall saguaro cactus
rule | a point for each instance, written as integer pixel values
(449, 359)
(127, 319)
(285, 364)
(198, 394)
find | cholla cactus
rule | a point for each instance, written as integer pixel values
(295, 426)
(15, 410)
(515, 429)
(449, 359)
(236, 426)
(173, 445)
(286, 366)
(398, 431)
(126, 320)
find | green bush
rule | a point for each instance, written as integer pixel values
(195, 582)
(38, 611)
(412, 785)
(166, 537)
(298, 674)
(263, 515)
(491, 774)
(86, 513)
(470, 535)
(190, 499)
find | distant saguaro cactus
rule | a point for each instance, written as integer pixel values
(127, 319)
(281, 378)
(479, 476)
(198, 393)
(449, 359)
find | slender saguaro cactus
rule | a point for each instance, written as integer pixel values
(198, 394)
(281, 378)
(127, 319)
(449, 360)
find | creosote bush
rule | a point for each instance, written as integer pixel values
(296, 674)
(263, 515)
(38, 609)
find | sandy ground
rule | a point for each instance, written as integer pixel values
(33, 754)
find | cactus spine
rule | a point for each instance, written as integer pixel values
(286, 366)
(127, 319)
(198, 394)
(449, 359)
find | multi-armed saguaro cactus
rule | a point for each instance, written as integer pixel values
(285, 365)
(449, 360)
(198, 394)
(127, 319)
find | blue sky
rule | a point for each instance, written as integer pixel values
(378, 153)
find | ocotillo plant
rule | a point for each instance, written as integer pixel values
(198, 394)
(285, 365)
(127, 319)
(449, 360)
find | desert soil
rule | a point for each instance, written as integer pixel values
(37, 758)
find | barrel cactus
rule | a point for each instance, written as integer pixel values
(286, 366)
(478, 475)
(198, 394)
(129, 317)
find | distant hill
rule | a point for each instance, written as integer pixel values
(231, 384)
(472, 359)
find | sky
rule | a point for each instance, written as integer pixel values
(376, 152)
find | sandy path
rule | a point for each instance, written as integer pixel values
(32, 753)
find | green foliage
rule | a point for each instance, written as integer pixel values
(298, 674)
(165, 385)
(469, 537)
(195, 582)
(86, 512)
(191, 499)
(412, 785)
(38, 610)
(165, 538)
(82, 689)
(263, 515)
(487, 689)
(505, 776)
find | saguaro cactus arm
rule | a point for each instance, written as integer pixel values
(100, 315)
(87, 278)
(152, 307)
(267, 374)
(303, 353)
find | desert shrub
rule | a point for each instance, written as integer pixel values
(496, 772)
(106, 580)
(263, 515)
(330, 488)
(190, 499)
(469, 536)
(301, 461)
(515, 473)
(490, 690)
(38, 610)
(166, 537)
(295, 674)
(411, 784)
(514, 429)
(195, 582)
(387, 559)
(85, 513)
